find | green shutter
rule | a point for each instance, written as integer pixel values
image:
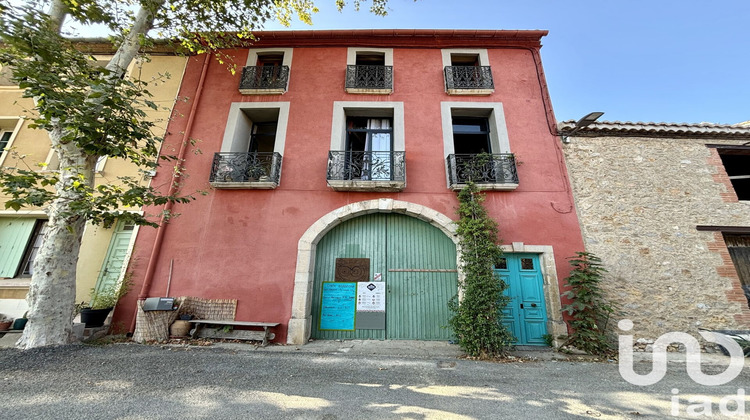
(14, 236)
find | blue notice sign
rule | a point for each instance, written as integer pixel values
(337, 306)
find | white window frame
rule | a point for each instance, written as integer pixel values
(239, 126)
(252, 60)
(13, 125)
(238, 132)
(351, 60)
(344, 109)
(253, 53)
(52, 163)
(484, 57)
(493, 111)
(484, 60)
(351, 54)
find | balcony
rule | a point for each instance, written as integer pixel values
(488, 172)
(245, 170)
(366, 171)
(374, 80)
(469, 80)
(264, 80)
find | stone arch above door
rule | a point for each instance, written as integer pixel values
(300, 323)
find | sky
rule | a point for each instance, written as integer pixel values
(634, 60)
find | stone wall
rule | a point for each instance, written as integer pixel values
(639, 201)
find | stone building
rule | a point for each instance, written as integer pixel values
(667, 209)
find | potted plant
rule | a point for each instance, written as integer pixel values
(102, 301)
(5, 322)
(20, 323)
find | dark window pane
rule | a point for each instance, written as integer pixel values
(501, 264)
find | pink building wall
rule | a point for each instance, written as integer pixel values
(242, 244)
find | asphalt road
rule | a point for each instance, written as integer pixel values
(130, 381)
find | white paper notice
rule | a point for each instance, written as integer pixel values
(371, 297)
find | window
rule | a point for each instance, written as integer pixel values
(252, 148)
(739, 250)
(20, 239)
(471, 129)
(9, 127)
(471, 135)
(465, 60)
(270, 70)
(266, 71)
(467, 72)
(369, 71)
(53, 163)
(263, 136)
(100, 162)
(33, 247)
(737, 164)
(4, 139)
(367, 143)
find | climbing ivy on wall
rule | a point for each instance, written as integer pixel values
(476, 317)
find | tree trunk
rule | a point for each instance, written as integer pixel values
(52, 291)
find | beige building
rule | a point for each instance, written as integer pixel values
(667, 209)
(104, 252)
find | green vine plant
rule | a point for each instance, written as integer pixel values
(476, 318)
(589, 309)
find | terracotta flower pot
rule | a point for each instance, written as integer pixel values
(179, 328)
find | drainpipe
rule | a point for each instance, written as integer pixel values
(156, 250)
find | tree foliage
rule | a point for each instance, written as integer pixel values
(589, 310)
(476, 319)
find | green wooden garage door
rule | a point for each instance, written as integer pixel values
(416, 261)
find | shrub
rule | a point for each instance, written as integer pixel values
(589, 310)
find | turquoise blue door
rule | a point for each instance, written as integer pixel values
(526, 313)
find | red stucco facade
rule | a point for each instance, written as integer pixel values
(243, 243)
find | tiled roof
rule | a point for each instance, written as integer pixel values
(651, 129)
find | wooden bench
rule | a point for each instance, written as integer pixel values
(265, 336)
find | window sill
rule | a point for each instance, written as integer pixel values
(367, 186)
(470, 92)
(362, 91)
(251, 185)
(15, 283)
(487, 187)
(262, 91)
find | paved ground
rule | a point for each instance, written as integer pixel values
(332, 380)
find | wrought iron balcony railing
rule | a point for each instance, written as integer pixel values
(483, 169)
(264, 77)
(231, 168)
(366, 166)
(369, 77)
(468, 77)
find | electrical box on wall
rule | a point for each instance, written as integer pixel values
(158, 304)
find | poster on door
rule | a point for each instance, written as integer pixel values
(370, 297)
(337, 306)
